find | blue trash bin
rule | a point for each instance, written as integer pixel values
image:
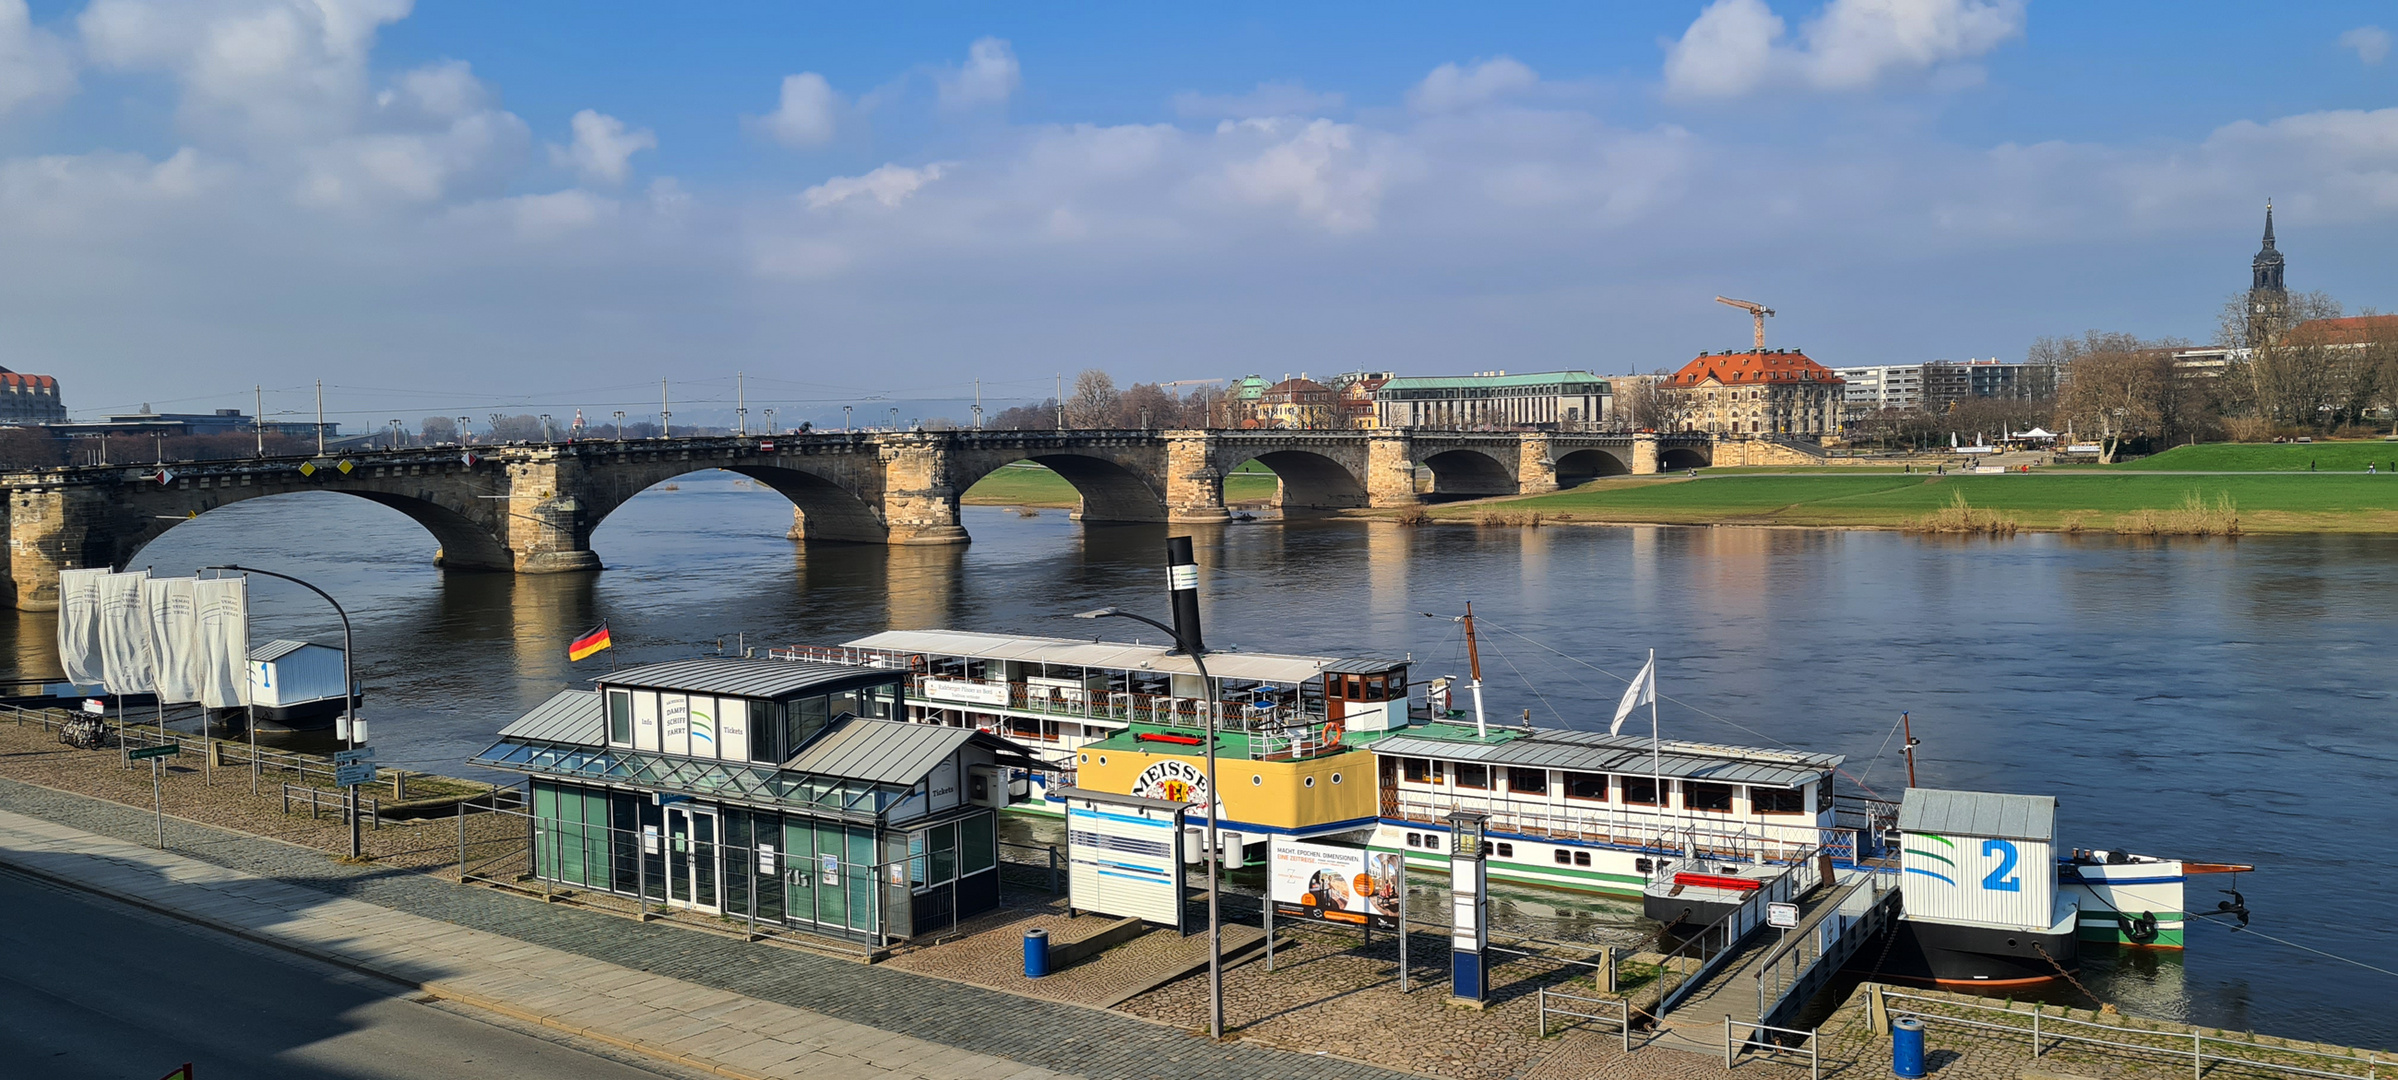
(1036, 965)
(1906, 1048)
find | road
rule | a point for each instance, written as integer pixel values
(90, 988)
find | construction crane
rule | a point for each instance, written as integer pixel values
(1756, 311)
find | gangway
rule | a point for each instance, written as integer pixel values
(1767, 976)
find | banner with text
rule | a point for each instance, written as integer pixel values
(1334, 883)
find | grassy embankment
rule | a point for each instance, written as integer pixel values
(2071, 501)
(2343, 456)
(1027, 484)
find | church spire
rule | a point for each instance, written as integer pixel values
(2268, 298)
(2268, 224)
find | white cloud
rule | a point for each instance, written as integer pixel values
(890, 185)
(260, 70)
(543, 217)
(1317, 170)
(1735, 47)
(2372, 43)
(1268, 99)
(471, 156)
(603, 149)
(34, 65)
(445, 90)
(807, 113)
(989, 77)
(1450, 87)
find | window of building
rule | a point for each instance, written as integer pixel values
(1713, 797)
(1473, 776)
(1525, 781)
(620, 717)
(978, 844)
(1415, 770)
(1583, 785)
(1778, 800)
(1640, 791)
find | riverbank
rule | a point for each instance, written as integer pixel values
(2073, 501)
(1035, 487)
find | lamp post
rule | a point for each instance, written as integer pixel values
(620, 425)
(463, 435)
(546, 436)
(349, 720)
(845, 419)
(1183, 576)
(770, 420)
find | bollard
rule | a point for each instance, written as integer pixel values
(1036, 954)
(1906, 1048)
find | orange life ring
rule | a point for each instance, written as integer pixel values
(1332, 732)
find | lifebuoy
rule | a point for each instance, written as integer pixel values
(1332, 732)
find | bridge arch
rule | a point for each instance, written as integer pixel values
(1469, 472)
(463, 542)
(1680, 457)
(1583, 466)
(1312, 484)
(1112, 489)
(823, 507)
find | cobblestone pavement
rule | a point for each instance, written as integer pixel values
(1059, 1037)
(994, 957)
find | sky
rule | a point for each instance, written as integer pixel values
(452, 208)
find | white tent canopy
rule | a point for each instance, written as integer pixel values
(2036, 433)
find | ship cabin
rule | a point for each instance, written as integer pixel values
(1555, 798)
(794, 794)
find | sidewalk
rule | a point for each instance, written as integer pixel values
(712, 1003)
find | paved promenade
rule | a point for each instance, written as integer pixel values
(707, 1002)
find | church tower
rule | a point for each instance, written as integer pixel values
(2268, 299)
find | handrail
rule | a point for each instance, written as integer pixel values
(2197, 1052)
(1610, 823)
(1759, 1039)
(1735, 925)
(1621, 1017)
(1806, 938)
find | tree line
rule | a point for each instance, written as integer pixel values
(1095, 404)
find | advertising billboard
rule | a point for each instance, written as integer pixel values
(1334, 883)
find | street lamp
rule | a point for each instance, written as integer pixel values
(620, 425)
(845, 419)
(545, 429)
(462, 431)
(770, 428)
(349, 719)
(894, 418)
(1183, 576)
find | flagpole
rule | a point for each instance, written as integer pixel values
(1656, 747)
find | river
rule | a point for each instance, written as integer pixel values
(2226, 701)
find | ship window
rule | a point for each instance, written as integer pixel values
(1583, 785)
(1715, 797)
(1336, 778)
(1415, 839)
(1257, 780)
(1506, 850)
(1582, 858)
(1415, 770)
(1310, 781)
(1473, 776)
(1564, 858)
(1432, 841)
(1640, 791)
(1778, 800)
(1528, 781)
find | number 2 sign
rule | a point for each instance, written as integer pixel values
(2003, 877)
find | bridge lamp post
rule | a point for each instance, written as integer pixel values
(895, 418)
(620, 425)
(463, 428)
(770, 428)
(399, 433)
(545, 429)
(845, 419)
(349, 685)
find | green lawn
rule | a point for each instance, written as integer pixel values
(2266, 503)
(1027, 484)
(2342, 456)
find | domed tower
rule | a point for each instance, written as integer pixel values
(2268, 298)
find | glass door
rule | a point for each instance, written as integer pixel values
(691, 852)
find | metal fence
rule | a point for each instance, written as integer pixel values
(2047, 1033)
(1683, 968)
(1601, 1010)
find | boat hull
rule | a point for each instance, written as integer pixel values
(1956, 954)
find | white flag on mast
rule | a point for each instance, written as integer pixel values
(174, 605)
(224, 608)
(79, 625)
(1643, 691)
(128, 664)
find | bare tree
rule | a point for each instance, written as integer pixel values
(2121, 388)
(519, 428)
(2287, 371)
(439, 429)
(1093, 402)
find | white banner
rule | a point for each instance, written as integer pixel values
(224, 611)
(79, 624)
(174, 606)
(126, 661)
(1333, 882)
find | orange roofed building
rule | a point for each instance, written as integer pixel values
(1761, 392)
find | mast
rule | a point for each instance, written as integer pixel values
(1656, 745)
(1909, 725)
(1473, 658)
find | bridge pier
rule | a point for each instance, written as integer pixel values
(1644, 454)
(54, 527)
(1535, 465)
(543, 529)
(920, 501)
(1390, 470)
(1194, 486)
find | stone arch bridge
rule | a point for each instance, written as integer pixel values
(531, 508)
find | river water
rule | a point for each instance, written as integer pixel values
(2226, 701)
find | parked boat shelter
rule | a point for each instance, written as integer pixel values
(703, 783)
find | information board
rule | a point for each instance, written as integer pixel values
(1124, 855)
(1334, 883)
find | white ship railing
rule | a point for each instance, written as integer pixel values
(1663, 831)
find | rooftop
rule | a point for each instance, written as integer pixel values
(1598, 752)
(1093, 653)
(736, 676)
(1771, 366)
(1490, 382)
(1935, 811)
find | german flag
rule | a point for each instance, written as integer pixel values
(583, 647)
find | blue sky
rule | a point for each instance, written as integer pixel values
(458, 208)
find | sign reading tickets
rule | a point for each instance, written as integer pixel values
(1334, 883)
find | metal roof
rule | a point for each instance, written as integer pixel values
(1597, 752)
(1494, 382)
(1088, 653)
(1978, 813)
(280, 648)
(892, 751)
(569, 716)
(738, 676)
